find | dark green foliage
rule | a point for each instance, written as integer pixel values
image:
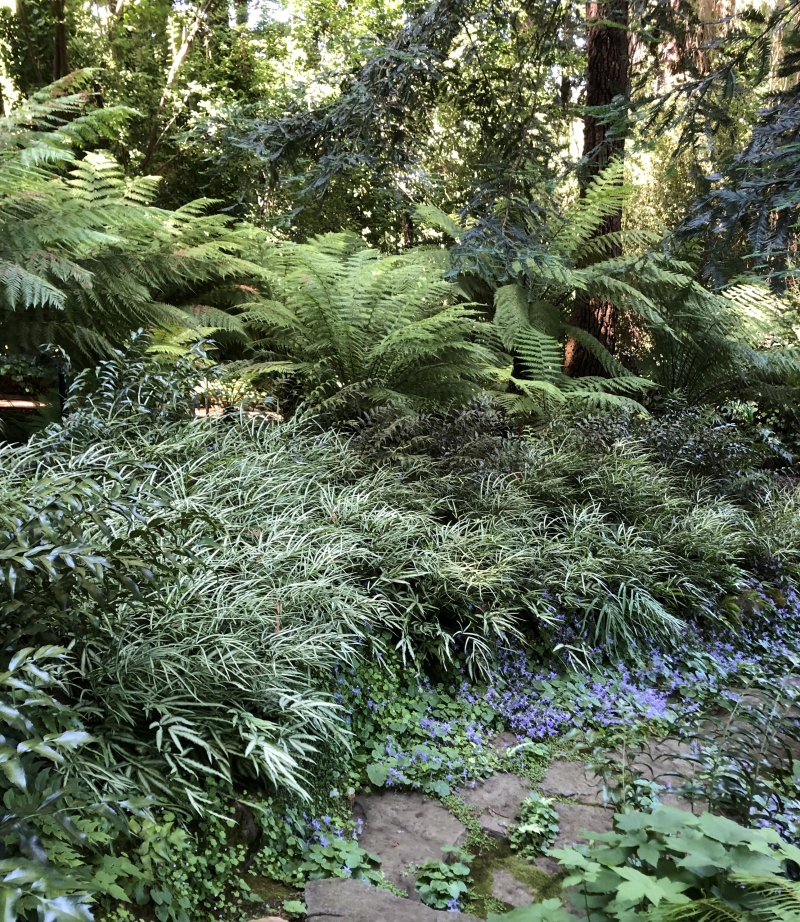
(750, 220)
(731, 448)
(670, 865)
(688, 339)
(445, 884)
(476, 435)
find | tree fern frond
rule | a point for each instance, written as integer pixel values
(430, 216)
(594, 347)
(83, 257)
(541, 356)
(605, 196)
(358, 328)
(510, 313)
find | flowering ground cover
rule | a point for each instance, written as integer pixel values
(412, 733)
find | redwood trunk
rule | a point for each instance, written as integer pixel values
(606, 78)
(60, 62)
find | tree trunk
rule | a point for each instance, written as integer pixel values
(154, 139)
(60, 62)
(606, 77)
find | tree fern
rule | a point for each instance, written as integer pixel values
(707, 345)
(84, 257)
(358, 329)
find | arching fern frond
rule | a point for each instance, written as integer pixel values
(84, 257)
(357, 328)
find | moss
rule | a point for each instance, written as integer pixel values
(272, 892)
(500, 857)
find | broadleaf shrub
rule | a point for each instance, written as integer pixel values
(671, 865)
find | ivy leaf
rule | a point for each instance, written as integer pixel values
(547, 911)
(669, 820)
(570, 857)
(699, 852)
(744, 859)
(442, 788)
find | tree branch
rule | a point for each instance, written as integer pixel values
(177, 62)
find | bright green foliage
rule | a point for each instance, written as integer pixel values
(396, 726)
(444, 884)
(84, 258)
(182, 873)
(293, 851)
(359, 329)
(670, 865)
(341, 858)
(537, 826)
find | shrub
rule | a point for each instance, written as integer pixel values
(53, 834)
(670, 865)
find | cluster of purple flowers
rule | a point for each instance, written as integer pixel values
(420, 733)
(653, 682)
(320, 830)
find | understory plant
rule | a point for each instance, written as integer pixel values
(445, 884)
(671, 865)
(537, 826)
(40, 811)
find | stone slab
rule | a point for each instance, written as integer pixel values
(354, 901)
(573, 820)
(504, 741)
(403, 829)
(507, 888)
(572, 780)
(497, 800)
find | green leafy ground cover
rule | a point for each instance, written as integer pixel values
(217, 612)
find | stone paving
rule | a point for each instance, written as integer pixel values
(496, 801)
(403, 829)
(407, 829)
(355, 901)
